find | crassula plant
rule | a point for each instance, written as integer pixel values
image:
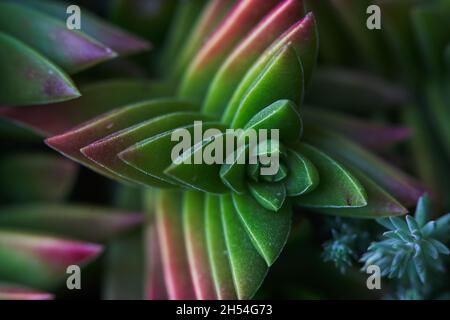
(212, 229)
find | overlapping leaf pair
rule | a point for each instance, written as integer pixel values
(38, 51)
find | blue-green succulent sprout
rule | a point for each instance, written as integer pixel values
(412, 248)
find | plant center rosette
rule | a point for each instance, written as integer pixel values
(217, 228)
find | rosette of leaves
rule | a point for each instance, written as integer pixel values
(239, 65)
(40, 233)
(412, 250)
(404, 64)
(349, 239)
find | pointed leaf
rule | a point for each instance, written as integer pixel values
(379, 203)
(302, 37)
(29, 78)
(303, 176)
(282, 78)
(233, 175)
(267, 229)
(270, 196)
(73, 51)
(338, 188)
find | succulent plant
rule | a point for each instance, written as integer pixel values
(348, 241)
(413, 248)
(212, 230)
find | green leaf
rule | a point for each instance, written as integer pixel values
(282, 78)
(152, 156)
(19, 64)
(241, 19)
(217, 249)
(73, 51)
(76, 221)
(105, 152)
(194, 216)
(303, 176)
(281, 115)
(169, 222)
(379, 202)
(271, 196)
(338, 188)
(248, 267)
(267, 229)
(247, 52)
(302, 36)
